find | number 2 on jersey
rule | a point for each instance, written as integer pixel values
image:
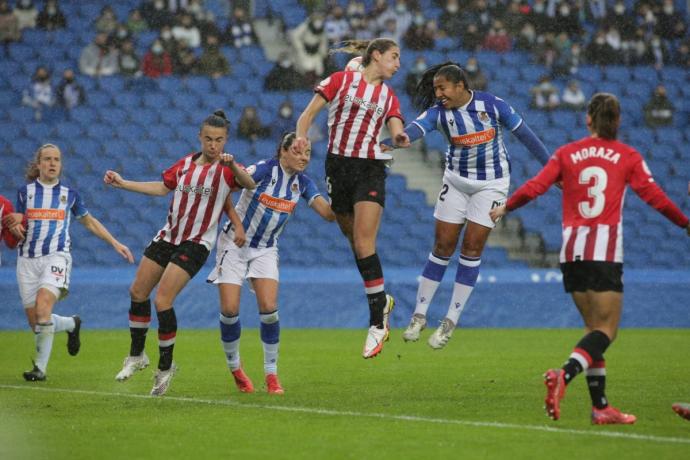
(595, 191)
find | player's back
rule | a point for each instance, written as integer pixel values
(595, 173)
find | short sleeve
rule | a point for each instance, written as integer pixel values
(328, 88)
(260, 170)
(428, 120)
(394, 110)
(170, 176)
(507, 115)
(309, 188)
(78, 208)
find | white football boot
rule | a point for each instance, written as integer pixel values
(377, 336)
(442, 335)
(417, 325)
(131, 365)
(162, 380)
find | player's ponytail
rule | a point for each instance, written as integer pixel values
(365, 48)
(424, 92)
(604, 110)
(32, 172)
(218, 120)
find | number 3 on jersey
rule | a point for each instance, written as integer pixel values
(595, 191)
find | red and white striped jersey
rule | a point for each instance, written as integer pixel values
(594, 173)
(199, 193)
(356, 113)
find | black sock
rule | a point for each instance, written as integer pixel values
(139, 320)
(167, 331)
(372, 275)
(589, 349)
(596, 383)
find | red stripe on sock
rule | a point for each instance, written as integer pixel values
(598, 365)
(372, 283)
(585, 355)
(140, 319)
(168, 336)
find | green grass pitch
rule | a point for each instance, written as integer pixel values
(481, 397)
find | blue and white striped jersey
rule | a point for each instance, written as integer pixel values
(47, 209)
(474, 134)
(265, 210)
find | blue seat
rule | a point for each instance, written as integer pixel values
(40, 132)
(565, 119)
(117, 149)
(146, 148)
(171, 85)
(99, 131)
(87, 147)
(113, 84)
(131, 132)
(647, 74)
(161, 131)
(230, 85)
(21, 52)
(173, 117)
(243, 100)
(177, 149)
(126, 100)
(617, 73)
(199, 85)
(84, 115)
(23, 147)
(185, 100)
(188, 132)
(144, 116)
(157, 101)
(12, 130)
(116, 116)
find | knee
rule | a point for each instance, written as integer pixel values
(137, 294)
(471, 249)
(444, 248)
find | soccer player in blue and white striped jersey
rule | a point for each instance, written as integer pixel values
(44, 264)
(476, 179)
(264, 212)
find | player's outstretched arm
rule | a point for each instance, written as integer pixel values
(114, 179)
(242, 177)
(97, 228)
(322, 208)
(305, 120)
(15, 224)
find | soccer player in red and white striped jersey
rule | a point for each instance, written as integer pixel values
(201, 184)
(594, 173)
(6, 235)
(360, 103)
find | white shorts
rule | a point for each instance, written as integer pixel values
(51, 272)
(464, 199)
(234, 265)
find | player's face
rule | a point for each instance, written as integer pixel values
(49, 164)
(213, 141)
(389, 62)
(448, 93)
(295, 161)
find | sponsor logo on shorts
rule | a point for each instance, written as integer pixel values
(496, 204)
(57, 272)
(277, 204)
(45, 214)
(474, 139)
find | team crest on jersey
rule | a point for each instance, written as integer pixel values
(451, 121)
(483, 116)
(63, 199)
(273, 181)
(294, 188)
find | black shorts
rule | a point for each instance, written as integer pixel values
(351, 180)
(189, 256)
(590, 275)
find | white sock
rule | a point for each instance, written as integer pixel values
(465, 279)
(271, 357)
(457, 303)
(63, 323)
(44, 344)
(232, 354)
(425, 294)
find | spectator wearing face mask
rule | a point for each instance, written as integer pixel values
(128, 60)
(212, 62)
(155, 14)
(168, 41)
(240, 31)
(120, 35)
(187, 30)
(26, 14)
(106, 21)
(250, 126)
(401, 16)
(336, 25)
(573, 98)
(285, 121)
(283, 76)
(670, 24)
(311, 46)
(451, 21)
(51, 18)
(184, 60)
(658, 111)
(497, 39)
(623, 20)
(598, 52)
(98, 59)
(136, 22)
(9, 26)
(157, 62)
(415, 75)
(475, 77)
(545, 95)
(70, 93)
(39, 95)
(418, 36)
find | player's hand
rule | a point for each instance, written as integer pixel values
(18, 231)
(299, 145)
(240, 238)
(386, 147)
(113, 178)
(124, 251)
(402, 140)
(498, 212)
(227, 159)
(12, 220)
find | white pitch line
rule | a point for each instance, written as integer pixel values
(339, 413)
